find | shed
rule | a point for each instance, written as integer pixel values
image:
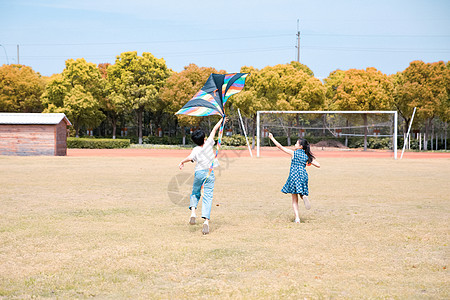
(33, 134)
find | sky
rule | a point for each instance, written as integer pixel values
(227, 35)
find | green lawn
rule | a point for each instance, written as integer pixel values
(80, 227)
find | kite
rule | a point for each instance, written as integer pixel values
(212, 96)
(210, 99)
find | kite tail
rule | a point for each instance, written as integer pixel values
(219, 142)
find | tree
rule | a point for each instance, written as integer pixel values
(113, 103)
(248, 101)
(81, 107)
(332, 83)
(77, 93)
(103, 69)
(304, 68)
(425, 86)
(280, 87)
(139, 79)
(20, 89)
(364, 90)
(180, 88)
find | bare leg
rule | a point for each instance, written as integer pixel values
(295, 207)
(306, 201)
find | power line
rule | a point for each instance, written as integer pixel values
(381, 35)
(237, 51)
(158, 42)
(377, 49)
(239, 38)
(4, 49)
(166, 54)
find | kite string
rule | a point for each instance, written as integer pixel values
(219, 142)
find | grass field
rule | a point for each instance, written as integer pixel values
(80, 227)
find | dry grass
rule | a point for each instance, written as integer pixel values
(108, 228)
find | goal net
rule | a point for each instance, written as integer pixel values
(343, 129)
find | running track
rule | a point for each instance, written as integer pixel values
(265, 152)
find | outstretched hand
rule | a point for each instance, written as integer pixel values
(270, 135)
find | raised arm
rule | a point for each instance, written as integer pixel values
(214, 130)
(279, 146)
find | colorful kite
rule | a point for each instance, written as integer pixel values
(213, 95)
(211, 99)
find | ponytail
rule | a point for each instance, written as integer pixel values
(306, 146)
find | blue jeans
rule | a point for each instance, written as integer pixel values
(208, 190)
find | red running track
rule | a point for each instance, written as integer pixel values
(265, 152)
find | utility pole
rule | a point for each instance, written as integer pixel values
(18, 62)
(298, 41)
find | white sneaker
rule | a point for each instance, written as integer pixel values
(192, 220)
(297, 220)
(205, 229)
(306, 201)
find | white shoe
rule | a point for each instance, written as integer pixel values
(297, 220)
(306, 201)
(192, 220)
(205, 229)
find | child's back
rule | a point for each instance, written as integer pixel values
(203, 155)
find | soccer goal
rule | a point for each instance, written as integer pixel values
(346, 129)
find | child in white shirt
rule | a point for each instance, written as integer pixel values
(204, 157)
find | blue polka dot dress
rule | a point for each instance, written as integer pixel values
(297, 182)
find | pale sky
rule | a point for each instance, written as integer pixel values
(227, 35)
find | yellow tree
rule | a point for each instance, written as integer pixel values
(427, 87)
(20, 89)
(331, 83)
(280, 87)
(180, 88)
(77, 93)
(364, 90)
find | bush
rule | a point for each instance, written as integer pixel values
(372, 142)
(134, 139)
(93, 143)
(165, 140)
(234, 140)
(353, 142)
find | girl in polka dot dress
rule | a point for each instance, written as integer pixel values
(297, 182)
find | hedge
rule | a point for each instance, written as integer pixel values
(92, 143)
(165, 140)
(234, 140)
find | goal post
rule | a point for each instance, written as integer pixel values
(326, 112)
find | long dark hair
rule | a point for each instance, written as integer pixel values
(304, 143)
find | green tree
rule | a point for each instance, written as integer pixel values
(180, 88)
(139, 79)
(81, 107)
(425, 86)
(77, 93)
(20, 89)
(363, 90)
(113, 103)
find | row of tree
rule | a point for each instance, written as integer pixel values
(142, 90)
